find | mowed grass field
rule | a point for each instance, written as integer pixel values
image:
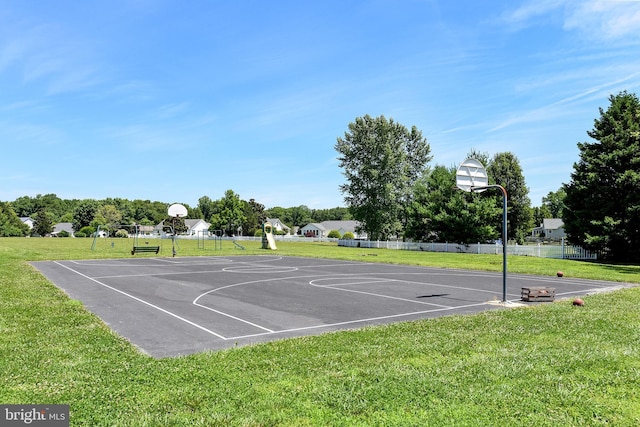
(546, 365)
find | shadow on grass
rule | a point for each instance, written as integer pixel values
(617, 267)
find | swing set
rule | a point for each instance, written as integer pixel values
(206, 235)
(127, 231)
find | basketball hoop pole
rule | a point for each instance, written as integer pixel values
(176, 210)
(504, 235)
(173, 237)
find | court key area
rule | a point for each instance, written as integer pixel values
(178, 306)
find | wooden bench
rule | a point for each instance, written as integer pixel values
(137, 249)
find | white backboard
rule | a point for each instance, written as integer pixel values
(177, 211)
(471, 176)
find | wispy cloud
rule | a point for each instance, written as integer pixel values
(607, 19)
(523, 15)
(558, 108)
(47, 55)
(594, 19)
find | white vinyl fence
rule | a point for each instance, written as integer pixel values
(562, 251)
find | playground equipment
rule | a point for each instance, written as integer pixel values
(128, 230)
(215, 235)
(268, 242)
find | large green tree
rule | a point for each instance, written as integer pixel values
(84, 213)
(108, 217)
(554, 201)
(381, 161)
(10, 223)
(504, 169)
(254, 217)
(42, 223)
(602, 203)
(228, 214)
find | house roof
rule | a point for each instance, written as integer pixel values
(63, 226)
(190, 223)
(552, 223)
(275, 221)
(341, 225)
(315, 225)
(334, 225)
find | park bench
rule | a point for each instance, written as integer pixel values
(137, 249)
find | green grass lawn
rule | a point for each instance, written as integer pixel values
(550, 364)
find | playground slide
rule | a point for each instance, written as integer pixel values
(268, 242)
(271, 241)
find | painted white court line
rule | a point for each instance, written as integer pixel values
(234, 318)
(337, 287)
(144, 302)
(324, 277)
(351, 322)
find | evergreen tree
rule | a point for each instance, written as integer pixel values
(42, 224)
(602, 203)
(441, 213)
(10, 224)
(504, 169)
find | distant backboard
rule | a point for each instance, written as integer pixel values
(471, 176)
(177, 211)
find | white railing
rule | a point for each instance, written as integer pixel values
(562, 251)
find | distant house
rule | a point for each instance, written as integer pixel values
(146, 230)
(279, 225)
(62, 226)
(551, 228)
(27, 220)
(196, 226)
(322, 229)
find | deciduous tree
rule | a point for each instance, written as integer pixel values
(381, 161)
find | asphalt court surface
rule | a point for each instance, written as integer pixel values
(178, 306)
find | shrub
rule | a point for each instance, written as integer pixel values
(121, 233)
(63, 233)
(334, 234)
(86, 231)
(348, 236)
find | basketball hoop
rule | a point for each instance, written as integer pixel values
(176, 210)
(472, 177)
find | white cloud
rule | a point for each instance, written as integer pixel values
(605, 18)
(532, 9)
(594, 19)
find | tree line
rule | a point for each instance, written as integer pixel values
(229, 214)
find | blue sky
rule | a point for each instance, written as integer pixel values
(175, 100)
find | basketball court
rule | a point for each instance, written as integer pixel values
(178, 306)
